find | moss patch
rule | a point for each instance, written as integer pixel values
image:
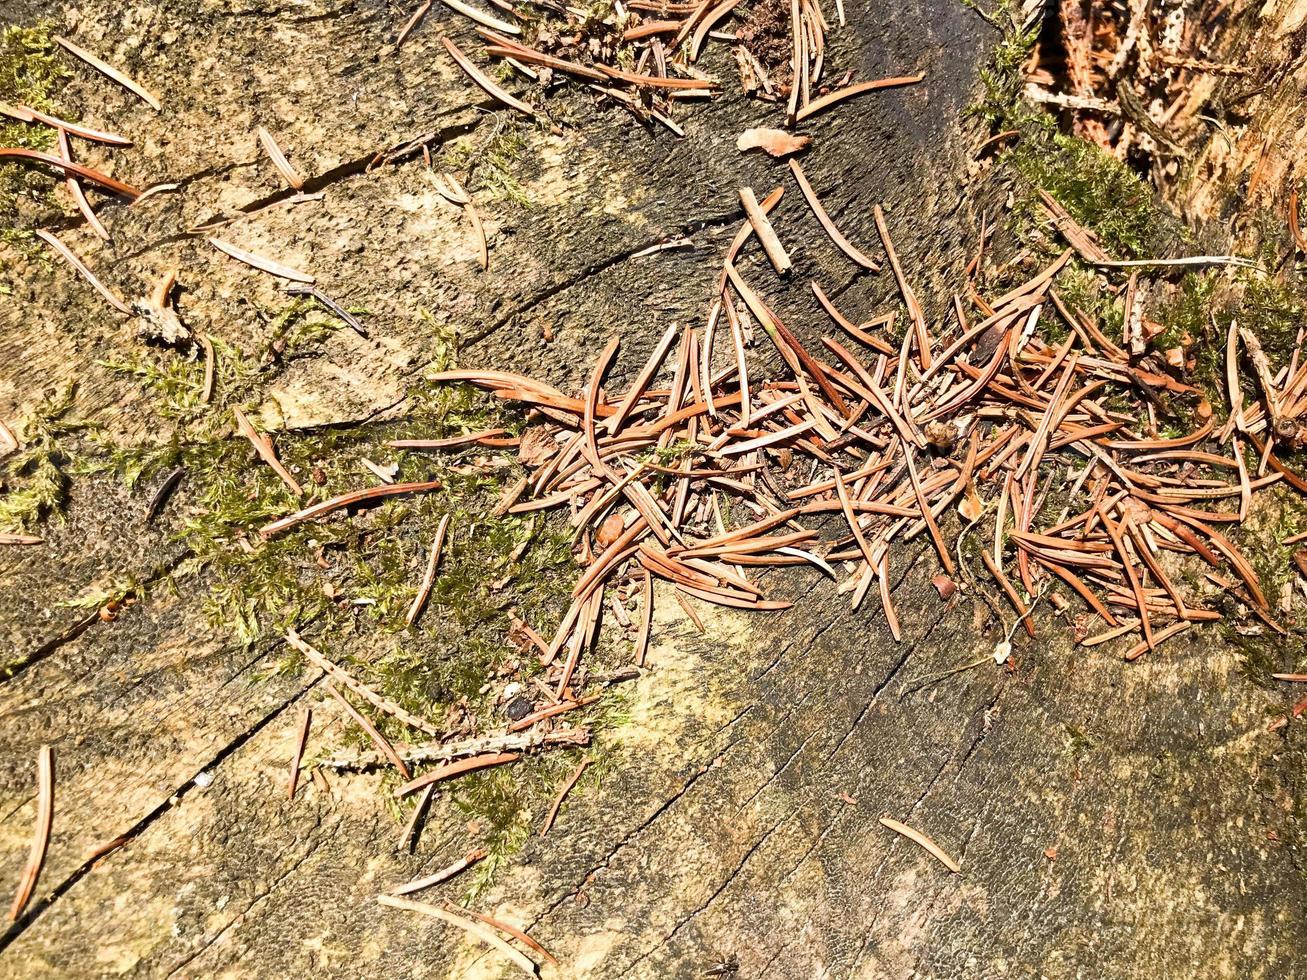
(36, 481)
(31, 74)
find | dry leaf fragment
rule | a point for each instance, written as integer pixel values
(944, 585)
(777, 142)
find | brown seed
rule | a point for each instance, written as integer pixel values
(610, 530)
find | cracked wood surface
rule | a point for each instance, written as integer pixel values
(723, 829)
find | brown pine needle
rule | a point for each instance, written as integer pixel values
(469, 926)
(1143, 646)
(516, 933)
(75, 189)
(558, 800)
(210, 367)
(646, 619)
(429, 579)
(111, 72)
(41, 833)
(827, 224)
(279, 160)
(642, 380)
(345, 500)
(909, 297)
(380, 741)
(413, 22)
(86, 273)
(263, 446)
(20, 539)
(298, 754)
(921, 839)
(95, 176)
(474, 73)
(839, 95)
(450, 769)
(689, 610)
(481, 17)
(762, 227)
(465, 199)
(472, 437)
(254, 261)
(25, 113)
(444, 874)
(408, 837)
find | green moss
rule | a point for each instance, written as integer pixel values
(1098, 191)
(31, 74)
(1275, 311)
(1002, 80)
(36, 484)
(490, 156)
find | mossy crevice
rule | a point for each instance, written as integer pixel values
(348, 580)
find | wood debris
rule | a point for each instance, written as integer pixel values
(776, 142)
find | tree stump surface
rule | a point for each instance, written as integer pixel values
(1110, 819)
